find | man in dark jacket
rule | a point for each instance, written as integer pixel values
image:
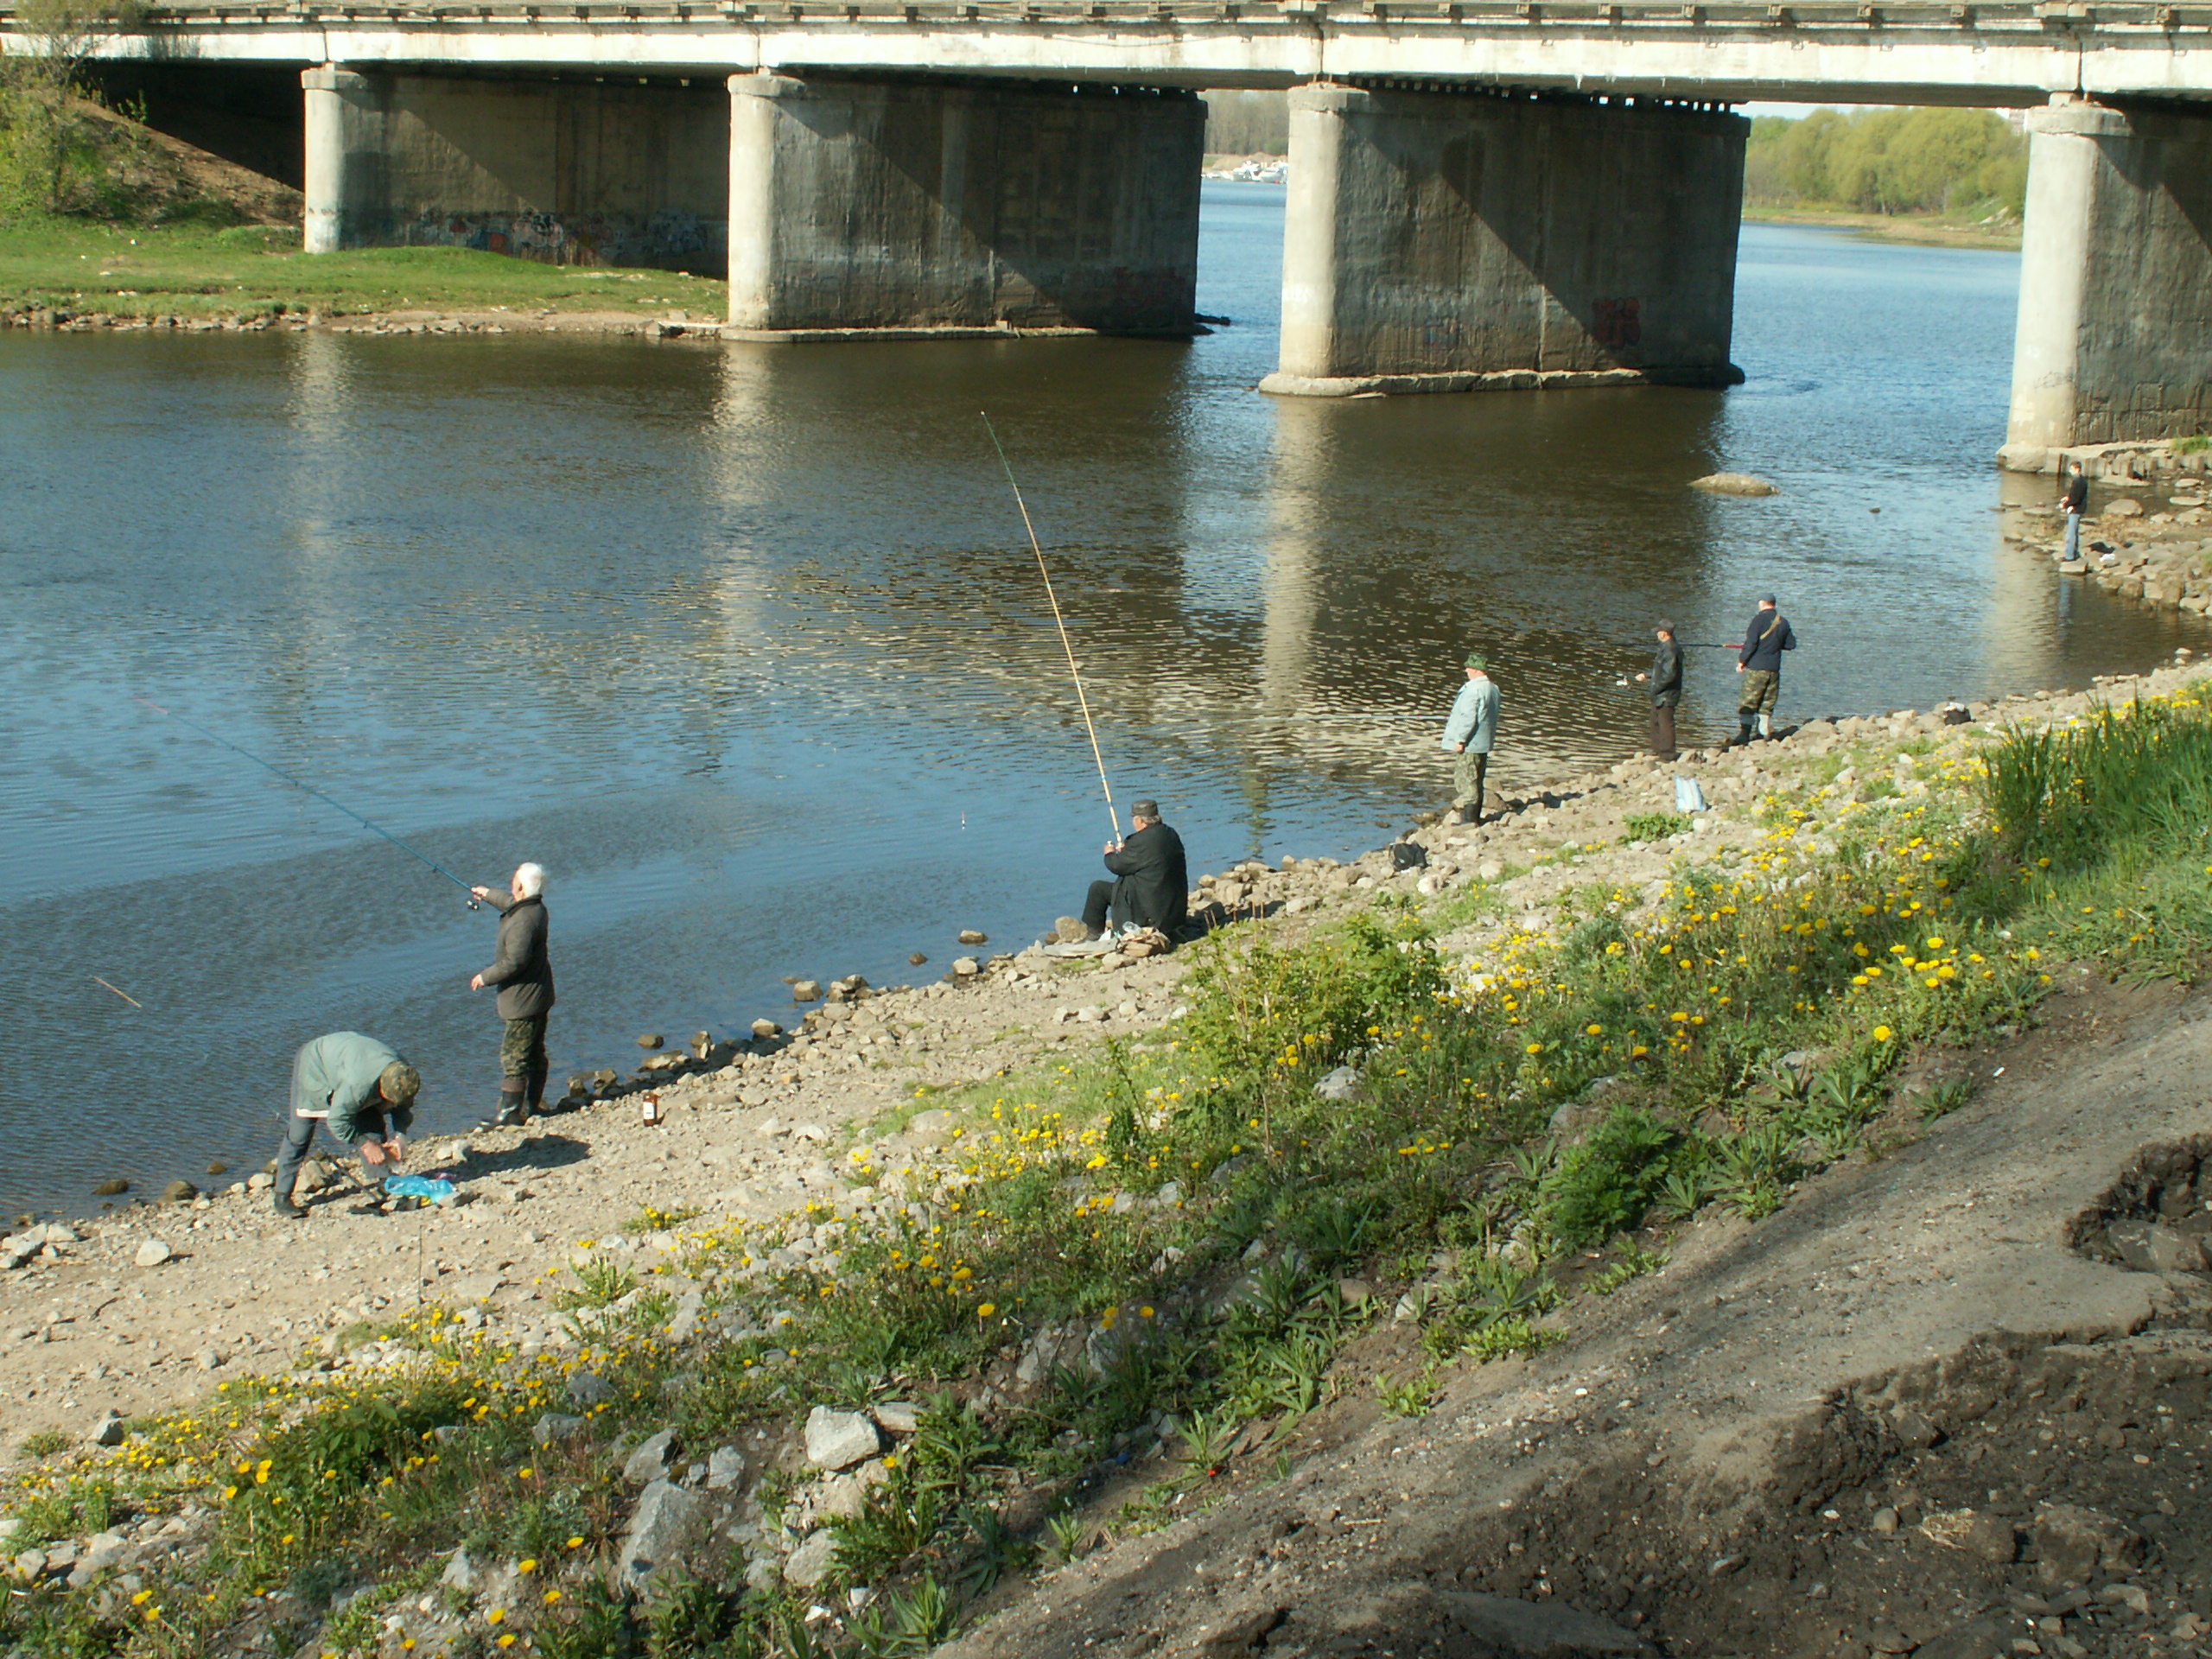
(1152, 885)
(362, 1090)
(1760, 664)
(1665, 678)
(2074, 501)
(524, 977)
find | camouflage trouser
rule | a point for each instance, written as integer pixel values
(522, 1050)
(1761, 687)
(1468, 776)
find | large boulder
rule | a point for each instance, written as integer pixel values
(650, 1461)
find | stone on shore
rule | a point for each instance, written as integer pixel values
(111, 1188)
(765, 1029)
(655, 1536)
(109, 1430)
(806, 990)
(650, 1039)
(725, 1469)
(1733, 483)
(811, 1562)
(590, 1388)
(967, 968)
(179, 1192)
(153, 1253)
(838, 1439)
(650, 1462)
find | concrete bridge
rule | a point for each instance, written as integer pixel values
(1487, 194)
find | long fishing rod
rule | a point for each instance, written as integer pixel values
(474, 903)
(1073, 673)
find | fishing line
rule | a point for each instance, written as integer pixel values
(474, 903)
(1058, 618)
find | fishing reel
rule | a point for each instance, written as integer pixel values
(474, 902)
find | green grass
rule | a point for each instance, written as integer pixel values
(1207, 1324)
(251, 270)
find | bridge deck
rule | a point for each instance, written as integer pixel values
(1832, 50)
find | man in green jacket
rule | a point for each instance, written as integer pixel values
(365, 1093)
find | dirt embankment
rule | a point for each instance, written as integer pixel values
(1949, 1402)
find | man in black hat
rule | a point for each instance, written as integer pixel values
(1760, 664)
(1151, 885)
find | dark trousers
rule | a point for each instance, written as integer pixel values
(299, 1135)
(521, 1059)
(1663, 730)
(1100, 903)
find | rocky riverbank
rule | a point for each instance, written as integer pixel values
(605, 1240)
(2153, 541)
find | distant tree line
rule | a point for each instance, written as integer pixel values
(1248, 124)
(1888, 161)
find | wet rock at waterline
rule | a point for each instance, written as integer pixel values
(1733, 483)
(806, 990)
(650, 1039)
(916, 960)
(179, 1192)
(970, 936)
(111, 1188)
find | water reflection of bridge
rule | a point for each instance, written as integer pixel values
(1482, 195)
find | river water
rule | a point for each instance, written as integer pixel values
(744, 644)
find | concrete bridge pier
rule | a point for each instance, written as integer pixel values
(887, 207)
(569, 172)
(2114, 338)
(1456, 242)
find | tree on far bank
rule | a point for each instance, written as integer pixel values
(1922, 160)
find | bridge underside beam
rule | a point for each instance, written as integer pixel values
(1444, 243)
(863, 205)
(2114, 338)
(568, 173)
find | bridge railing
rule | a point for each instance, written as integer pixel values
(2009, 16)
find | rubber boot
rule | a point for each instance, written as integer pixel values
(1766, 726)
(510, 1113)
(533, 1094)
(1744, 731)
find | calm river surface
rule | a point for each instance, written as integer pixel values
(743, 643)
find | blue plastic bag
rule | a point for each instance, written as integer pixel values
(430, 1189)
(1688, 798)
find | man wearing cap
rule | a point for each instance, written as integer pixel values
(1469, 732)
(363, 1090)
(1760, 664)
(1665, 678)
(1152, 884)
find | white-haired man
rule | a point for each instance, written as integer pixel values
(524, 974)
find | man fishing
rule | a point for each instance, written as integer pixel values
(362, 1090)
(523, 973)
(1665, 679)
(1760, 664)
(1152, 883)
(1471, 732)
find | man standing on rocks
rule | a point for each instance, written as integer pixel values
(362, 1090)
(1760, 664)
(2074, 502)
(524, 976)
(1665, 676)
(1471, 732)
(1152, 883)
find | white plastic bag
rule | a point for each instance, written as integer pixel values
(1688, 798)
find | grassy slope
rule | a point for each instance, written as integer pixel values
(252, 270)
(1920, 905)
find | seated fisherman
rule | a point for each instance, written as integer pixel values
(1152, 888)
(362, 1090)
